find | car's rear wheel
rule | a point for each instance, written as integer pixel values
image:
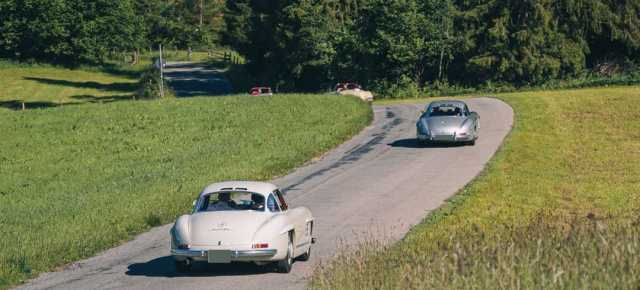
(284, 266)
(421, 142)
(181, 267)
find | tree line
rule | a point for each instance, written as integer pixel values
(407, 45)
(308, 45)
(75, 31)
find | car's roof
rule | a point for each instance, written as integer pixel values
(452, 103)
(252, 186)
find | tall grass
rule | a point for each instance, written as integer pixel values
(75, 180)
(558, 206)
(586, 255)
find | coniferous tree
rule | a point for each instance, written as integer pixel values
(517, 41)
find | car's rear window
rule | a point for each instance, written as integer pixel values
(445, 110)
(230, 201)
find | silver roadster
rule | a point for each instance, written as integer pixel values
(242, 221)
(448, 121)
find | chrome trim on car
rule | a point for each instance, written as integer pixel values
(268, 253)
(303, 244)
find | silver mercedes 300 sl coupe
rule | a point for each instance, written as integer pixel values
(242, 221)
(448, 121)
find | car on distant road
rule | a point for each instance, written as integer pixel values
(447, 121)
(260, 91)
(242, 221)
(352, 89)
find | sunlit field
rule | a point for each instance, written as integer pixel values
(75, 180)
(557, 207)
(40, 86)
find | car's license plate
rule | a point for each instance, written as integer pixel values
(219, 256)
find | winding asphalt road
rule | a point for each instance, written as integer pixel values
(375, 186)
(189, 79)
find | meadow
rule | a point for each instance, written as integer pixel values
(75, 180)
(558, 206)
(40, 85)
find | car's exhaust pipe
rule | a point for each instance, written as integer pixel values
(187, 261)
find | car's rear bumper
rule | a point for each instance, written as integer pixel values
(203, 255)
(444, 138)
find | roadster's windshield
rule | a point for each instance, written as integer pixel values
(230, 200)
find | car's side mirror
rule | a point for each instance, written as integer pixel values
(194, 202)
(422, 111)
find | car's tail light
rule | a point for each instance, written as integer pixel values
(183, 247)
(260, 246)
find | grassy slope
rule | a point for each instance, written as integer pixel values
(45, 86)
(557, 206)
(78, 179)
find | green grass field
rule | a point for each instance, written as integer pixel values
(46, 86)
(75, 180)
(557, 207)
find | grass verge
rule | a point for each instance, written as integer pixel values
(557, 206)
(76, 180)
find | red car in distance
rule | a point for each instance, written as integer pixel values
(346, 86)
(260, 91)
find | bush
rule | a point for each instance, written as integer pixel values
(149, 85)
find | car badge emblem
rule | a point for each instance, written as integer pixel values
(222, 226)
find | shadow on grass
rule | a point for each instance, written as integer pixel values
(102, 99)
(17, 105)
(120, 87)
(413, 143)
(163, 267)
